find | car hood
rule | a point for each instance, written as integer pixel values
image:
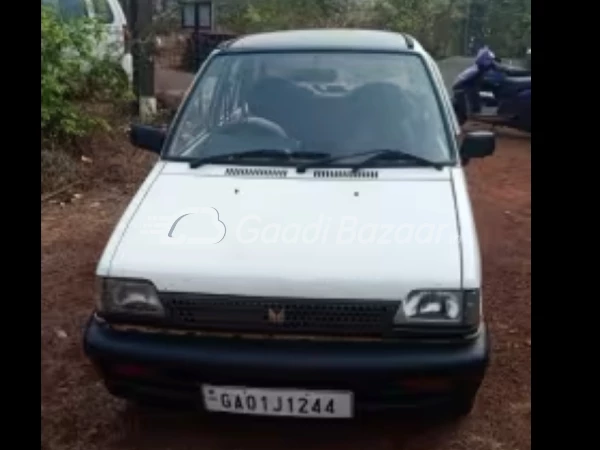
(297, 237)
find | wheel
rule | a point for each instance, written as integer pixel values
(160, 404)
(461, 406)
(523, 124)
(137, 401)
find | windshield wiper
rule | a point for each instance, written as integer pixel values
(372, 155)
(397, 154)
(285, 155)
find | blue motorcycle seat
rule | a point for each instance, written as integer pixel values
(517, 82)
(514, 72)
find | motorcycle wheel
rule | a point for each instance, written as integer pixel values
(459, 110)
(525, 125)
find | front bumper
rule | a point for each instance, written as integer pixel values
(382, 375)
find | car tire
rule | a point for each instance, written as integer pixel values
(155, 403)
(523, 124)
(461, 406)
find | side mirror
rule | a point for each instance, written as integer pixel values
(147, 137)
(477, 144)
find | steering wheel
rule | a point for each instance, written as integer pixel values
(254, 126)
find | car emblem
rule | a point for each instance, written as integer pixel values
(277, 317)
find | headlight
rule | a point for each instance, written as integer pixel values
(129, 297)
(440, 307)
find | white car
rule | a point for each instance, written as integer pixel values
(111, 14)
(300, 252)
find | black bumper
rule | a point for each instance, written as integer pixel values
(382, 375)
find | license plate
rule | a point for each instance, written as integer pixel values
(278, 402)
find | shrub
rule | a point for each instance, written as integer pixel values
(74, 73)
(58, 169)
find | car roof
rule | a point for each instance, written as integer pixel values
(327, 39)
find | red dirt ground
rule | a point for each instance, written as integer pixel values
(78, 414)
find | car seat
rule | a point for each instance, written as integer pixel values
(283, 102)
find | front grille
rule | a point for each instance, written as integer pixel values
(287, 315)
(256, 172)
(328, 173)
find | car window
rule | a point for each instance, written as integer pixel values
(333, 102)
(68, 9)
(343, 69)
(214, 102)
(227, 100)
(103, 11)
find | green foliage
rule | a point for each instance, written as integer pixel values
(507, 26)
(75, 73)
(266, 15)
(438, 24)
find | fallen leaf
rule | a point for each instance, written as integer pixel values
(85, 159)
(77, 196)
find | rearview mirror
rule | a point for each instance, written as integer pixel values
(477, 144)
(147, 137)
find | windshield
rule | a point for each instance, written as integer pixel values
(330, 102)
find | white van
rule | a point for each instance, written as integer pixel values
(305, 246)
(111, 14)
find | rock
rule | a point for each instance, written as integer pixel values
(62, 334)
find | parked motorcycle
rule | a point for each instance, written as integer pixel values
(493, 93)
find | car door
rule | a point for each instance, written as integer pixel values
(110, 14)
